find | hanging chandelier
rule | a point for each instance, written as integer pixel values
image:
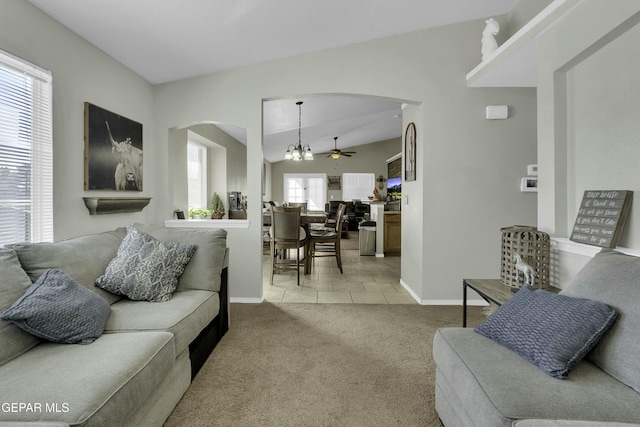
(298, 152)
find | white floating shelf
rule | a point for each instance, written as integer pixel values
(207, 223)
(513, 64)
(115, 205)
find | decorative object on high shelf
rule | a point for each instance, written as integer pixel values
(298, 152)
(533, 248)
(336, 153)
(489, 44)
(601, 217)
(381, 180)
(216, 206)
(410, 152)
(112, 151)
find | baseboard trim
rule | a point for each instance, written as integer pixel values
(474, 302)
(458, 302)
(408, 289)
(240, 300)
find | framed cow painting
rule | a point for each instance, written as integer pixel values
(112, 151)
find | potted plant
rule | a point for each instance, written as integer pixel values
(201, 213)
(216, 207)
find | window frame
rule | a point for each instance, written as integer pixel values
(32, 129)
(204, 174)
(347, 177)
(305, 177)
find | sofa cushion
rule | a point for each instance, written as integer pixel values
(83, 258)
(552, 331)
(185, 315)
(146, 269)
(13, 284)
(613, 278)
(58, 309)
(498, 386)
(204, 270)
(102, 384)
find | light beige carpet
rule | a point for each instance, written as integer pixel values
(321, 365)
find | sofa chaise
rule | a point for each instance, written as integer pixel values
(136, 371)
(480, 382)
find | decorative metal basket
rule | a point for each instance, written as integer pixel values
(534, 248)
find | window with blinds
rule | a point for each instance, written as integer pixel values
(26, 152)
(357, 186)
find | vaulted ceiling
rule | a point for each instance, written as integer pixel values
(168, 40)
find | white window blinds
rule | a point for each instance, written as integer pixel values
(26, 152)
(357, 186)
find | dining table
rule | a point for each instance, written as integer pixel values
(306, 219)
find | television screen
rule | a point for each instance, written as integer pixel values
(394, 187)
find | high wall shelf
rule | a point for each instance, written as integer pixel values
(513, 64)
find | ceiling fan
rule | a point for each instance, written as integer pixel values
(336, 154)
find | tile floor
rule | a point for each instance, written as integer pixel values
(366, 280)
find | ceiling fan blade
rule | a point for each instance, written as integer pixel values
(345, 154)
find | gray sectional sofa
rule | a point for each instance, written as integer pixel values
(482, 383)
(137, 370)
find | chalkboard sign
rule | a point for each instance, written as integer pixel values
(601, 217)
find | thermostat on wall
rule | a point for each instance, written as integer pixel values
(497, 112)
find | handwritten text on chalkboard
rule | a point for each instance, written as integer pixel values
(601, 217)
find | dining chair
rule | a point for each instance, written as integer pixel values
(286, 234)
(301, 205)
(330, 222)
(326, 242)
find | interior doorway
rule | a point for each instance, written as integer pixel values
(370, 130)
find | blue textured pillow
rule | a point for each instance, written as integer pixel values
(146, 269)
(58, 309)
(552, 331)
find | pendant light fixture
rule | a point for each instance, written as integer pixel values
(298, 152)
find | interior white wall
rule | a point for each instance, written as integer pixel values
(588, 99)
(523, 12)
(82, 73)
(469, 167)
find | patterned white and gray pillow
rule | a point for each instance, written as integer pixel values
(58, 309)
(146, 269)
(552, 331)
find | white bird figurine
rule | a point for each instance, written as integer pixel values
(528, 272)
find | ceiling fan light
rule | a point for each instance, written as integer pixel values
(335, 155)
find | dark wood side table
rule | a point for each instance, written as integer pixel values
(491, 290)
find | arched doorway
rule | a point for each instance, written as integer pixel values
(369, 127)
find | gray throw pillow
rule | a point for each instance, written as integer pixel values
(204, 270)
(552, 331)
(58, 309)
(146, 269)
